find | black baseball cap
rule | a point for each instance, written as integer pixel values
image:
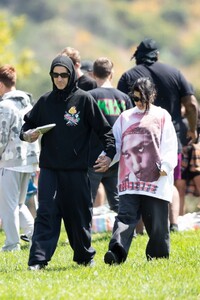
(146, 47)
(87, 65)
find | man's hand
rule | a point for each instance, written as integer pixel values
(191, 113)
(31, 135)
(102, 163)
(192, 135)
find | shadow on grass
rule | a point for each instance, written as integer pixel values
(96, 237)
(63, 269)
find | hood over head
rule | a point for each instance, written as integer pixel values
(65, 61)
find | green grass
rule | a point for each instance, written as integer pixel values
(176, 278)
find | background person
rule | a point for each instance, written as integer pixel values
(190, 166)
(140, 196)
(17, 161)
(87, 67)
(112, 103)
(85, 82)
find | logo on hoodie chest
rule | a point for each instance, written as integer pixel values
(72, 116)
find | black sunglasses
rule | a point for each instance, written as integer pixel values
(62, 75)
(134, 98)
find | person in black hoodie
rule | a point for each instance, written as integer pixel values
(63, 187)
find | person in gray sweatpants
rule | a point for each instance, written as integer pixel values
(18, 160)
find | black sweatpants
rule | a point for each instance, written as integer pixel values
(154, 213)
(62, 195)
(109, 180)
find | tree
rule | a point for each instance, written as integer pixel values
(22, 59)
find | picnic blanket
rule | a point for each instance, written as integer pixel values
(103, 221)
(189, 221)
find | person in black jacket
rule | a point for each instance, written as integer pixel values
(63, 187)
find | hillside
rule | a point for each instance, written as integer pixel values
(110, 28)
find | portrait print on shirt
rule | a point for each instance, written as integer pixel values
(140, 156)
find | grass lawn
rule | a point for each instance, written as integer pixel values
(176, 278)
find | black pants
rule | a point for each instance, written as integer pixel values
(154, 213)
(109, 180)
(67, 196)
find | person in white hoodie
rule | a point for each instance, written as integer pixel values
(146, 144)
(18, 160)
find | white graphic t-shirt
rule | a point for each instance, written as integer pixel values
(146, 143)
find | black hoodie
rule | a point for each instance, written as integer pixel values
(75, 113)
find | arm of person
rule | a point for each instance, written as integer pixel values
(191, 112)
(102, 163)
(5, 129)
(31, 135)
(123, 84)
(104, 132)
(28, 132)
(102, 159)
(118, 140)
(168, 147)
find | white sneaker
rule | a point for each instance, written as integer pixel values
(36, 267)
(11, 248)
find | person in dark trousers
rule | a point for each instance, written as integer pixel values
(63, 187)
(112, 103)
(147, 151)
(173, 90)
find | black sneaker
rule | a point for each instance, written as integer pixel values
(36, 267)
(24, 238)
(173, 227)
(111, 258)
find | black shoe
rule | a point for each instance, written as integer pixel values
(111, 258)
(173, 227)
(36, 267)
(24, 238)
